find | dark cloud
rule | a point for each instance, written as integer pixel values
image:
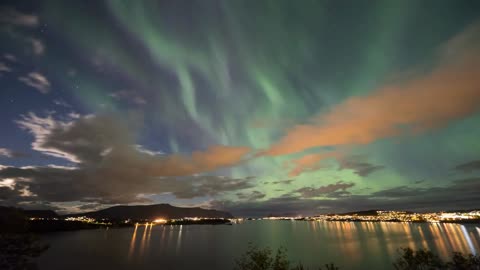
(358, 164)
(254, 195)
(111, 169)
(35, 205)
(211, 186)
(468, 166)
(7, 193)
(461, 194)
(282, 182)
(109, 185)
(84, 140)
(90, 206)
(104, 139)
(279, 205)
(310, 192)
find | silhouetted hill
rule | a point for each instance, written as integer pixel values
(12, 220)
(363, 213)
(166, 211)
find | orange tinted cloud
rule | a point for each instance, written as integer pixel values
(450, 91)
(219, 156)
(215, 157)
(310, 162)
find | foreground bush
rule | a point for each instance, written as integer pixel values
(17, 251)
(256, 258)
(425, 259)
(18, 247)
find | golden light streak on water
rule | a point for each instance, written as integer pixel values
(179, 239)
(475, 243)
(422, 235)
(132, 242)
(143, 241)
(149, 233)
(352, 239)
(439, 240)
(468, 239)
(350, 245)
(163, 234)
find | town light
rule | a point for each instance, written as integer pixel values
(160, 221)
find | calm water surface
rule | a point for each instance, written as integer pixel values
(350, 245)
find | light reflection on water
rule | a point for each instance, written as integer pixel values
(351, 245)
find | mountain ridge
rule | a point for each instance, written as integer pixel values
(154, 211)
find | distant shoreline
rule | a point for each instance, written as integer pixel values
(473, 221)
(50, 226)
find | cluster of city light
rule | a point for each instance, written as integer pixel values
(282, 218)
(41, 218)
(192, 219)
(160, 221)
(389, 216)
(459, 216)
(81, 219)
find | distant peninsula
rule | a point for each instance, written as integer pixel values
(152, 212)
(12, 219)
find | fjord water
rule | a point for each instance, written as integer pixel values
(350, 245)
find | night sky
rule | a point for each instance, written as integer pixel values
(255, 107)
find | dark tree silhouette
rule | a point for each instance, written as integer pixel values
(420, 259)
(256, 258)
(17, 251)
(425, 259)
(17, 246)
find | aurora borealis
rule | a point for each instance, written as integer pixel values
(255, 107)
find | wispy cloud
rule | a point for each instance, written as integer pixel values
(37, 81)
(4, 67)
(282, 182)
(359, 165)
(15, 17)
(142, 149)
(310, 192)
(110, 167)
(5, 153)
(470, 166)
(129, 96)
(10, 57)
(252, 196)
(38, 47)
(61, 102)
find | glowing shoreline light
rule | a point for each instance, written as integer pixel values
(160, 221)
